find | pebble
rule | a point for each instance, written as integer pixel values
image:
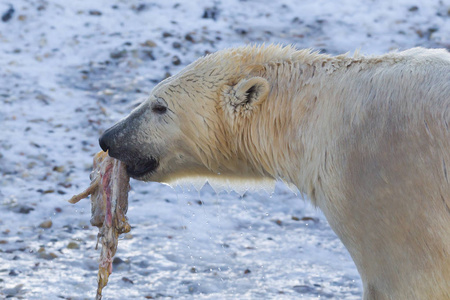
(118, 54)
(46, 224)
(65, 184)
(8, 14)
(210, 13)
(47, 256)
(310, 219)
(120, 264)
(149, 43)
(125, 279)
(188, 37)
(23, 209)
(140, 7)
(95, 13)
(58, 169)
(176, 60)
(44, 255)
(117, 261)
(73, 245)
(241, 31)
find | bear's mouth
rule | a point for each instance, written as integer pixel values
(142, 168)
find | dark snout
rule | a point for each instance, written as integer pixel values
(119, 139)
(120, 142)
(110, 141)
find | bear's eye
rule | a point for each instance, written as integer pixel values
(159, 108)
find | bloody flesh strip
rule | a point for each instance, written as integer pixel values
(109, 203)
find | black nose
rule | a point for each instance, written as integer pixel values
(104, 141)
(112, 138)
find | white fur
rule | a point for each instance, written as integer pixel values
(366, 138)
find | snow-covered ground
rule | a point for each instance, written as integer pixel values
(70, 69)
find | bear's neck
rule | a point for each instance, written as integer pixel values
(317, 132)
(277, 142)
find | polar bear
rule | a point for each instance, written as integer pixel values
(365, 138)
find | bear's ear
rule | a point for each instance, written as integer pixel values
(249, 92)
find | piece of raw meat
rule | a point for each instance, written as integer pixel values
(109, 204)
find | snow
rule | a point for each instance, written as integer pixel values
(71, 69)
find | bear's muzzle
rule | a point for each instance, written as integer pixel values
(117, 140)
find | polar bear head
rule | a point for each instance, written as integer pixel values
(208, 120)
